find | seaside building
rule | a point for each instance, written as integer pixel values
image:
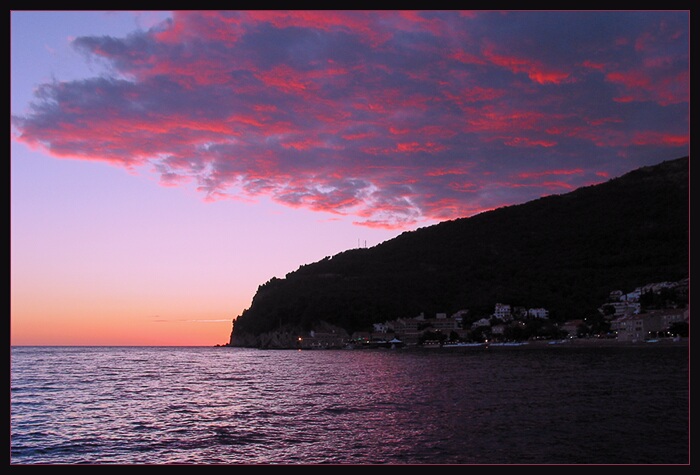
(538, 313)
(639, 327)
(502, 312)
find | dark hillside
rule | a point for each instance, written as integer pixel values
(563, 252)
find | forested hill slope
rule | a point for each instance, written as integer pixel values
(562, 252)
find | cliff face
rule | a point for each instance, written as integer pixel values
(564, 253)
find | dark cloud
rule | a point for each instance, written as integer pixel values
(395, 118)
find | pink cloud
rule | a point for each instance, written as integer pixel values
(467, 58)
(534, 69)
(552, 185)
(527, 142)
(285, 79)
(576, 171)
(443, 172)
(656, 138)
(645, 85)
(395, 118)
(593, 65)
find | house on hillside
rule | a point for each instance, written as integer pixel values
(538, 313)
(502, 312)
(632, 327)
(639, 327)
(670, 316)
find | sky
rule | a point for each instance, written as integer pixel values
(165, 164)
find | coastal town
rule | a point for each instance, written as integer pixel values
(650, 313)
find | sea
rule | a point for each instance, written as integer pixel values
(530, 405)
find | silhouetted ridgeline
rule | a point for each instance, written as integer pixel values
(563, 252)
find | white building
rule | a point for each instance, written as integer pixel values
(502, 311)
(538, 313)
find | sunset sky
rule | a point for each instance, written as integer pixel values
(165, 164)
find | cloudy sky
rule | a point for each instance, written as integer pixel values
(165, 164)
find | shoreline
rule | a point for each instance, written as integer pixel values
(567, 343)
(573, 343)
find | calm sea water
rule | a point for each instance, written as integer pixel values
(165, 405)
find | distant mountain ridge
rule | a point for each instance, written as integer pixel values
(561, 252)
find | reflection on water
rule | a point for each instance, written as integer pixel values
(155, 405)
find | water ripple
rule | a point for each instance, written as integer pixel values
(100, 405)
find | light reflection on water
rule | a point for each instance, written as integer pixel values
(157, 405)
